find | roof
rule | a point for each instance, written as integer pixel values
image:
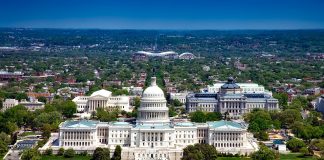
(157, 54)
(184, 124)
(80, 124)
(154, 91)
(230, 84)
(101, 92)
(120, 124)
(186, 53)
(225, 125)
(152, 126)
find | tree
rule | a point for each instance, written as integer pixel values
(213, 116)
(60, 152)
(30, 154)
(68, 108)
(117, 153)
(42, 99)
(69, 153)
(172, 111)
(295, 144)
(137, 102)
(197, 116)
(305, 151)
(106, 116)
(262, 135)
(264, 153)
(282, 98)
(199, 152)
(46, 129)
(176, 103)
(4, 141)
(318, 144)
(101, 154)
(48, 151)
(260, 120)
(289, 116)
(209, 152)
(191, 153)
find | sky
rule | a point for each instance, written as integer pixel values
(163, 14)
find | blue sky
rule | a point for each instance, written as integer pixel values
(163, 14)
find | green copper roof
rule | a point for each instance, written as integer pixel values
(120, 124)
(80, 124)
(225, 124)
(153, 126)
(184, 124)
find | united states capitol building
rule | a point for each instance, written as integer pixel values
(234, 99)
(154, 135)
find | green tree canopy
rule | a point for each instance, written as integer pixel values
(264, 153)
(295, 144)
(199, 152)
(117, 153)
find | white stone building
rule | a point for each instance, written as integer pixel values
(182, 97)
(33, 104)
(153, 135)
(246, 88)
(9, 103)
(101, 99)
(230, 98)
(319, 104)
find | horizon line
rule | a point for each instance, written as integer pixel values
(166, 29)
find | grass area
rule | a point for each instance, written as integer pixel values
(76, 157)
(289, 156)
(28, 134)
(295, 156)
(233, 158)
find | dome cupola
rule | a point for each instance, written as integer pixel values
(153, 108)
(230, 87)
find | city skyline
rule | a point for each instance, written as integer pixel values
(179, 15)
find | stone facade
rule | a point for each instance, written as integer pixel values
(231, 99)
(153, 135)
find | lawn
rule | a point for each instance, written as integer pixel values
(295, 156)
(290, 156)
(27, 134)
(76, 157)
(232, 158)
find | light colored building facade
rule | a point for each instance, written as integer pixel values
(182, 97)
(230, 98)
(9, 103)
(246, 88)
(319, 104)
(153, 135)
(33, 104)
(101, 99)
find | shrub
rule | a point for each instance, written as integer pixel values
(48, 151)
(60, 152)
(69, 153)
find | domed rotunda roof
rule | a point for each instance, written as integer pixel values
(230, 84)
(154, 91)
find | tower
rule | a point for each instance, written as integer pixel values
(153, 108)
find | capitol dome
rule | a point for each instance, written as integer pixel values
(154, 91)
(153, 108)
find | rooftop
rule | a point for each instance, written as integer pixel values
(80, 124)
(184, 124)
(225, 125)
(230, 84)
